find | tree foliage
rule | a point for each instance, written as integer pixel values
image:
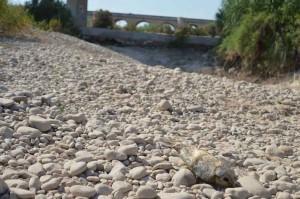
(103, 19)
(54, 11)
(261, 36)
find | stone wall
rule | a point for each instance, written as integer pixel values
(143, 38)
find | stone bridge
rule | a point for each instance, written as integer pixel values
(79, 11)
(174, 22)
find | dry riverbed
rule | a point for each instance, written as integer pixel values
(78, 120)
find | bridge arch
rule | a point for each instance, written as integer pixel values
(193, 26)
(142, 23)
(168, 28)
(121, 23)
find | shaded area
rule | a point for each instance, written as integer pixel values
(188, 59)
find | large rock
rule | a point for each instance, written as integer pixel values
(254, 187)
(6, 132)
(82, 191)
(40, 123)
(184, 177)
(28, 131)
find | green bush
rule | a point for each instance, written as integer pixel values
(103, 19)
(13, 18)
(260, 36)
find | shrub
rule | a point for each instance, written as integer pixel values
(13, 18)
(181, 35)
(103, 19)
(55, 25)
(130, 27)
(260, 36)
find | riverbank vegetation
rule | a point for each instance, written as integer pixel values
(261, 37)
(13, 19)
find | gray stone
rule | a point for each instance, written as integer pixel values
(146, 192)
(113, 155)
(17, 183)
(52, 184)
(78, 118)
(103, 189)
(77, 168)
(237, 193)
(6, 102)
(6, 132)
(181, 195)
(40, 123)
(131, 149)
(37, 169)
(28, 131)
(253, 186)
(4, 190)
(184, 177)
(138, 172)
(164, 105)
(22, 193)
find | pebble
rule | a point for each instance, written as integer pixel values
(82, 121)
(146, 192)
(184, 177)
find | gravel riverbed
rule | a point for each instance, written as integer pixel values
(78, 120)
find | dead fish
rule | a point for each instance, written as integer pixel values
(208, 168)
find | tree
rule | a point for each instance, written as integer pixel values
(103, 19)
(55, 10)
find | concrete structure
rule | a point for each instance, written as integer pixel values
(175, 22)
(140, 38)
(78, 9)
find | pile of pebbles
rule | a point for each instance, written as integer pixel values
(80, 121)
